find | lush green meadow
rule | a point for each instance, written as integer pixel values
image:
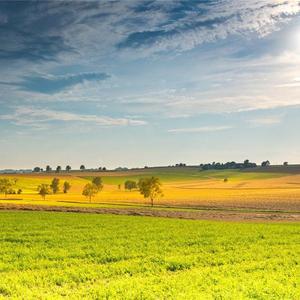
(54, 255)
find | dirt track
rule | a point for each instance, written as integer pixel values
(193, 215)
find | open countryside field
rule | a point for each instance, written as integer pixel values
(77, 256)
(187, 187)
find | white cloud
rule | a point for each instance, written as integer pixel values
(200, 129)
(34, 117)
(265, 121)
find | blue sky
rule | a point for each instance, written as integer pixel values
(134, 83)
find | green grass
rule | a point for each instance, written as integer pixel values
(54, 255)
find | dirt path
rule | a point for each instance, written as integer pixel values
(193, 215)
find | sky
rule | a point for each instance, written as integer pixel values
(134, 83)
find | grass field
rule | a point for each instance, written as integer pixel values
(55, 255)
(184, 187)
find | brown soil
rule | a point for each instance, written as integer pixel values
(193, 215)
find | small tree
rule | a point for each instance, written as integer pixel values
(68, 168)
(54, 185)
(97, 181)
(90, 190)
(265, 163)
(67, 187)
(130, 185)
(48, 169)
(285, 163)
(82, 167)
(43, 190)
(37, 169)
(58, 169)
(150, 188)
(6, 186)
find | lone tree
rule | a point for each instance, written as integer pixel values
(58, 169)
(130, 185)
(82, 167)
(54, 185)
(68, 168)
(150, 188)
(67, 187)
(265, 163)
(285, 163)
(97, 181)
(43, 190)
(6, 186)
(48, 169)
(90, 190)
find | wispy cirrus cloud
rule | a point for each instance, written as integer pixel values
(49, 84)
(29, 116)
(200, 129)
(265, 120)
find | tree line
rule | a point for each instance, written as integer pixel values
(68, 168)
(149, 187)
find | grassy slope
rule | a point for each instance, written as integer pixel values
(51, 255)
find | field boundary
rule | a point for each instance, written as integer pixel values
(192, 215)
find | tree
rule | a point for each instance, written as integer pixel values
(130, 185)
(150, 188)
(265, 163)
(82, 167)
(37, 169)
(54, 185)
(97, 181)
(68, 168)
(48, 169)
(90, 190)
(6, 186)
(58, 169)
(43, 190)
(67, 187)
(285, 163)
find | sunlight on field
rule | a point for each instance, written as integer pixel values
(80, 256)
(186, 187)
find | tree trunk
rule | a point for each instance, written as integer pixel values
(152, 202)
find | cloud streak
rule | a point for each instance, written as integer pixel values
(200, 129)
(29, 116)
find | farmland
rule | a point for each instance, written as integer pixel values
(187, 187)
(54, 255)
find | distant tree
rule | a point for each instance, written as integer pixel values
(48, 169)
(82, 167)
(150, 188)
(119, 186)
(37, 169)
(58, 169)
(285, 163)
(246, 163)
(19, 192)
(67, 187)
(68, 168)
(265, 163)
(103, 169)
(43, 190)
(54, 185)
(90, 190)
(130, 185)
(97, 181)
(6, 186)
(225, 179)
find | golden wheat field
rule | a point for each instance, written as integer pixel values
(186, 187)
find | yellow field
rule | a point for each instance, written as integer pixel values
(243, 189)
